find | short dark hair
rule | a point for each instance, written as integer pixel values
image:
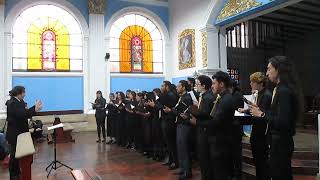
(17, 90)
(192, 80)
(223, 77)
(134, 94)
(141, 94)
(185, 84)
(206, 81)
(157, 91)
(167, 83)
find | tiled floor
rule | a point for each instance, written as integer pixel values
(110, 162)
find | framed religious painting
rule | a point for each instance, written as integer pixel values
(187, 49)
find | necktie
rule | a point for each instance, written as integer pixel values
(273, 95)
(215, 106)
(200, 99)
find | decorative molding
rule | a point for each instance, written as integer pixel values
(204, 49)
(234, 7)
(96, 6)
(150, 2)
(184, 35)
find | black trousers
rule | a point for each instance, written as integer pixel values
(170, 136)
(220, 153)
(183, 147)
(236, 152)
(14, 168)
(259, 148)
(157, 139)
(101, 127)
(203, 153)
(147, 134)
(280, 157)
(110, 126)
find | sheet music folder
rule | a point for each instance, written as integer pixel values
(55, 127)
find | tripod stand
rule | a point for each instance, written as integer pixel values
(53, 164)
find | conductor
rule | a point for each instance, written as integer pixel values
(17, 117)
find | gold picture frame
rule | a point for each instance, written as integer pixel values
(186, 50)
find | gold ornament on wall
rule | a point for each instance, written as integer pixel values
(187, 49)
(234, 7)
(204, 49)
(96, 6)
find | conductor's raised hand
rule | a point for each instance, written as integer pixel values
(38, 105)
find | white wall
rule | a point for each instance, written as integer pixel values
(186, 14)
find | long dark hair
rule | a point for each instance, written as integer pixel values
(17, 90)
(288, 76)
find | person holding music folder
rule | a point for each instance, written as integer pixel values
(200, 118)
(99, 105)
(220, 134)
(131, 120)
(286, 109)
(17, 117)
(258, 138)
(169, 100)
(183, 129)
(111, 118)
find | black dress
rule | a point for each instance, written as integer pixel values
(111, 119)
(17, 117)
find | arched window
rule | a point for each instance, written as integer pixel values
(47, 38)
(136, 45)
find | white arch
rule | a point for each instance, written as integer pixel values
(213, 11)
(141, 11)
(25, 4)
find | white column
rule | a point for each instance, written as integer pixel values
(96, 71)
(2, 61)
(216, 50)
(167, 60)
(86, 74)
(107, 67)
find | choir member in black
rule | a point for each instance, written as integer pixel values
(192, 84)
(220, 127)
(99, 105)
(183, 129)
(155, 107)
(111, 118)
(286, 109)
(236, 165)
(144, 132)
(121, 119)
(131, 121)
(201, 118)
(258, 138)
(17, 118)
(169, 100)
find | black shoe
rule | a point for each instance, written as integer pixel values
(103, 140)
(98, 140)
(166, 163)
(128, 146)
(173, 166)
(185, 176)
(179, 172)
(109, 142)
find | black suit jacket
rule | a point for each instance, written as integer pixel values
(17, 117)
(203, 114)
(221, 122)
(260, 124)
(99, 106)
(185, 103)
(170, 100)
(284, 112)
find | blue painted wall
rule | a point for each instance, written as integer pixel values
(115, 5)
(177, 79)
(265, 4)
(81, 5)
(57, 93)
(133, 83)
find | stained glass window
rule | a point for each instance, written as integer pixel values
(47, 38)
(136, 45)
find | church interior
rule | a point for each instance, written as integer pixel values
(64, 51)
